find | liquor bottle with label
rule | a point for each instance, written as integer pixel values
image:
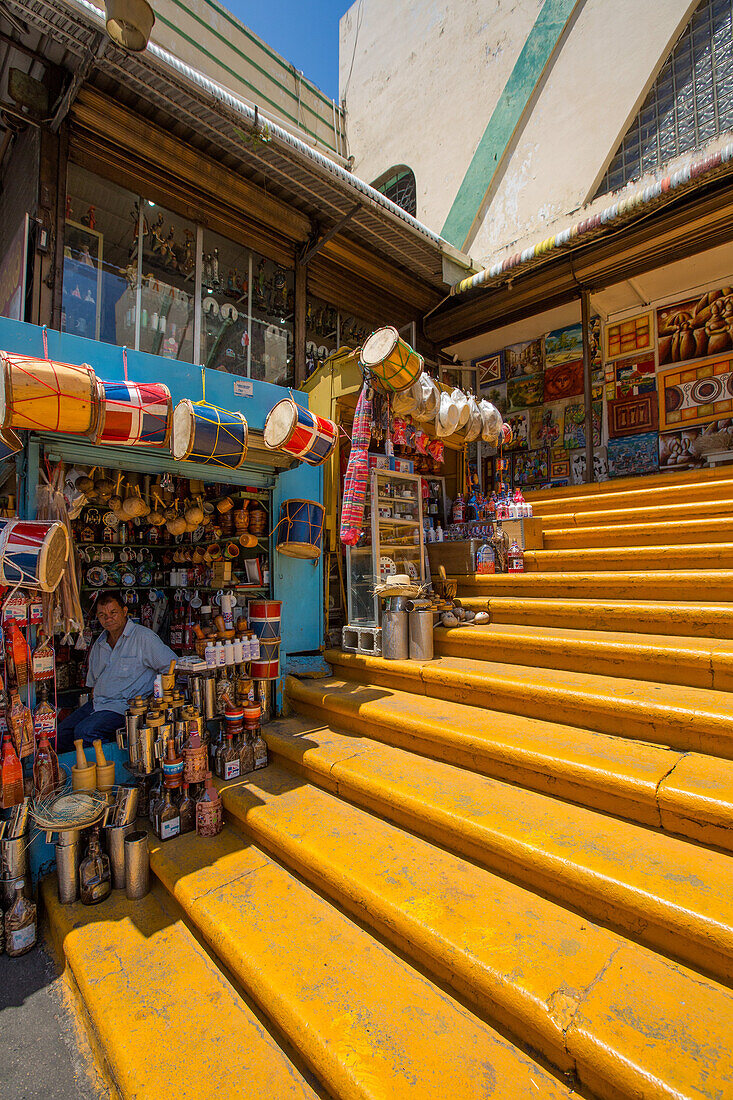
(186, 810)
(21, 929)
(246, 755)
(45, 769)
(43, 659)
(259, 749)
(95, 879)
(44, 714)
(11, 775)
(20, 724)
(209, 815)
(168, 819)
(230, 760)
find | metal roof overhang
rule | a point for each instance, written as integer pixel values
(698, 220)
(159, 87)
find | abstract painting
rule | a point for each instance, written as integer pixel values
(632, 415)
(524, 392)
(696, 394)
(490, 369)
(521, 360)
(577, 466)
(633, 454)
(563, 345)
(629, 336)
(696, 328)
(574, 427)
(565, 380)
(559, 468)
(689, 448)
(531, 469)
(630, 377)
(519, 423)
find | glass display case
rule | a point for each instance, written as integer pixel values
(391, 542)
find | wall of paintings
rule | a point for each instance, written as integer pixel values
(662, 394)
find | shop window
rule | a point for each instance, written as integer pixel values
(321, 333)
(100, 260)
(398, 184)
(689, 103)
(271, 321)
(465, 378)
(167, 298)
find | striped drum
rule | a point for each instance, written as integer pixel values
(33, 553)
(264, 618)
(46, 396)
(268, 666)
(390, 361)
(204, 433)
(300, 433)
(300, 529)
(133, 414)
(10, 443)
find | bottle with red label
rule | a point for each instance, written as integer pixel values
(43, 661)
(485, 559)
(515, 556)
(11, 776)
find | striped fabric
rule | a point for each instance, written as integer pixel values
(357, 472)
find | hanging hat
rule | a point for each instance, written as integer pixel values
(460, 400)
(491, 421)
(473, 428)
(446, 420)
(428, 400)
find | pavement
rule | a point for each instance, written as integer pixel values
(44, 1055)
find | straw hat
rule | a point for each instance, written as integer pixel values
(446, 420)
(460, 400)
(473, 431)
(427, 404)
(491, 422)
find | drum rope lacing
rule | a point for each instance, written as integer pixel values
(221, 429)
(16, 361)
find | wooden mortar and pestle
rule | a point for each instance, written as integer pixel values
(105, 771)
(83, 774)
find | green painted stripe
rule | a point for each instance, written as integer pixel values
(258, 93)
(529, 67)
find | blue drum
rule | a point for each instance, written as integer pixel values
(10, 443)
(204, 433)
(300, 529)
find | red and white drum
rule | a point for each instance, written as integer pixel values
(33, 553)
(133, 414)
(268, 666)
(264, 618)
(46, 396)
(300, 433)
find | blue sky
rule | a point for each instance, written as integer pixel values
(305, 32)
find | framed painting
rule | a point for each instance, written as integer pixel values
(521, 360)
(546, 426)
(565, 380)
(574, 426)
(691, 448)
(632, 415)
(634, 454)
(695, 328)
(629, 336)
(489, 370)
(524, 392)
(497, 396)
(559, 468)
(577, 466)
(519, 423)
(630, 377)
(696, 394)
(563, 345)
(531, 469)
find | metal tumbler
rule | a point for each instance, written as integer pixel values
(67, 867)
(421, 631)
(116, 836)
(137, 865)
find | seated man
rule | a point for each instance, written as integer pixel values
(123, 662)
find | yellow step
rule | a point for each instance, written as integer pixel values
(701, 556)
(685, 531)
(697, 662)
(686, 718)
(522, 959)
(677, 585)
(164, 1016)
(369, 1025)
(714, 621)
(685, 793)
(638, 492)
(612, 516)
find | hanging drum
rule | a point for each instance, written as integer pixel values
(264, 618)
(300, 433)
(390, 361)
(207, 434)
(33, 553)
(133, 414)
(10, 443)
(300, 529)
(268, 665)
(46, 396)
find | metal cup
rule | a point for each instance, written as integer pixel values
(137, 865)
(116, 848)
(14, 857)
(67, 868)
(210, 710)
(146, 741)
(128, 799)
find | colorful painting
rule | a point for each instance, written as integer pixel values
(531, 469)
(594, 341)
(490, 369)
(563, 346)
(564, 381)
(630, 377)
(519, 423)
(524, 392)
(559, 468)
(546, 426)
(632, 415)
(577, 466)
(633, 454)
(696, 328)
(521, 360)
(689, 448)
(629, 336)
(696, 394)
(574, 428)
(497, 396)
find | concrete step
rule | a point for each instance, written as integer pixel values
(601, 517)
(368, 1024)
(701, 556)
(686, 718)
(510, 953)
(663, 618)
(687, 532)
(684, 793)
(647, 491)
(163, 1017)
(696, 662)
(676, 585)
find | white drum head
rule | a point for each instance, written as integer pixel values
(182, 433)
(379, 345)
(4, 390)
(279, 424)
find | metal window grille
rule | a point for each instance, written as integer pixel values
(689, 103)
(399, 186)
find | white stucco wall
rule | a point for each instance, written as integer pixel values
(426, 75)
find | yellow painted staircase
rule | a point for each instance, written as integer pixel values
(501, 873)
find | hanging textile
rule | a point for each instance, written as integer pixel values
(357, 472)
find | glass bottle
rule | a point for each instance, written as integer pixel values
(516, 558)
(44, 714)
(230, 759)
(156, 793)
(95, 880)
(209, 815)
(21, 930)
(259, 749)
(11, 776)
(168, 820)
(45, 769)
(186, 810)
(246, 755)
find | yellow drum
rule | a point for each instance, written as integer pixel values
(42, 395)
(391, 361)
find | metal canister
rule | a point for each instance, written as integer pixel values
(14, 857)
(146, 741)
(137, 865)
(67, 866)
(196, 690)
(395, 645)
(126, 806)
(210, 710)
(421, 630)
(116, 836)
